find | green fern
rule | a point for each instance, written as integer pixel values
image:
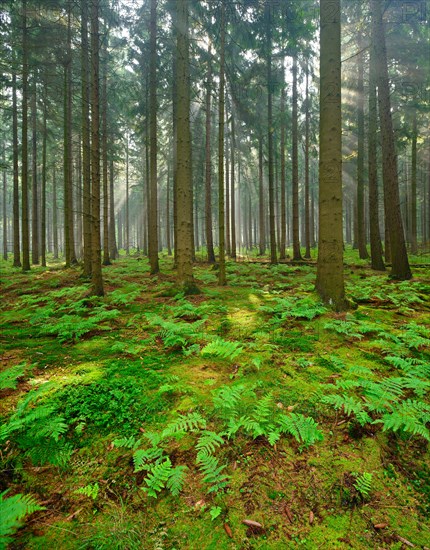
(91, 491)
(409, 416)
(9, 377)
(13, 510)
(158, 475)
(176, 479)
(212, 472)
(304, 429)
(184, 423)
(363, 484)
(127, 442)
(223, 349)
(208, 442)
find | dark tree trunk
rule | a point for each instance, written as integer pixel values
(113, 249)
(43, 197)
(307, 123)
(54, 214)
(414, 244)
(262, 222)
(295, 162)
(16, 240)
(106, 257)
(34, 189)
(283, 232)
(361, 227)
(24, 159)
(222, 280)
(399, 258)
(208, 173)
(232, 188)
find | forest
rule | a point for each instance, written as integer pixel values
(215, 274)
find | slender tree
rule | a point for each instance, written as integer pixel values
(222, 280)
(16, 239)
(295, 165)
(25, 230)
(399, 258)
(208, 171)
(330, 277)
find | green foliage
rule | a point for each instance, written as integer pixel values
(13, 510)
(91, 491)
(292, 307)
(123, 297)
(190, 422)
(212, 472)
(304, 429)
(176, 334)
(363, 484)
(223, 349)
(9, 377)
(36, 429)
(214, 512)
(208, 442)
(385, 401)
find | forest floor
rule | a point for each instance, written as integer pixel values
(246, 417)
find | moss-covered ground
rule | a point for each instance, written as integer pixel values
(86, 381)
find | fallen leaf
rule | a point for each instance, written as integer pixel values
(251, 523)
(311, 517)
(405, 541)
(289, 513)
(199, 504)
(228, 530)
(380, 525)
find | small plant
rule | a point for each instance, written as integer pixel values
(13, 510)
(223, 349)
(363, 484)
(91, 491)
(9, 377)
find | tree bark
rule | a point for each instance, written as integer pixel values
(330, 277)
(113, 249)
(96, 263)
(399, 258)
(361, 227)
(184, 197)
(86, 153)
(16, 239)
(261, 218)
(106, 256)
(307, 130)
(295, 162)
(34, 189)
(283, 231)
(222, 279)
(4, 205)
(25, 230)
(43, 197)
(233, 187)
(414, 244)
(208, 173)
(377, 261)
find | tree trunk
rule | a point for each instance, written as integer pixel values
(184, 197)
(377, 261)
(270, 131)
(153, 207)
(168, 229)
(361, 227)
(113, 249)
(399, 258)
(54, 213)
(24, 159)
(233, 188)
(4, 205)
(330, 277)
(86, 153)
(283, 235)
(208, 173)
(295, 162)
(262, 222)
(16, 240)
(34, 189)
(43, 197)
(307, 123)
(222, 280)
(96, 260)
(414, 244)
(227, 189)
(106, 257)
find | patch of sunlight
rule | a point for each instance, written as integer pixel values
(254, 299)
(84, 373)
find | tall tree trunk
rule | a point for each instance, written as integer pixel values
(222, 280)
(34, 189)
(262, 222)
(307, 130)
(54, 213)
(96, 263)
(283, 235)
(414, 244)
(227, 188)
(270, 130)
(113, 249)
(399, 258)
(4, 205)
(168, 229)
(377, 261)
(184, 198)
(233, 187)
(86, 153)
(153, 209)
(127, 201)
(106, 257)
(330, 277)
(43, 197)
(25, 230)
(361, 227)
(208, 172)
(16, 240)
(295, 162)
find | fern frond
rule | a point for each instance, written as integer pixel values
(176, 480)
(157, 477)
(185, 423)
(222, 348)
(212, 472)
(304, 429)
(208, 442)
(13, 510)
